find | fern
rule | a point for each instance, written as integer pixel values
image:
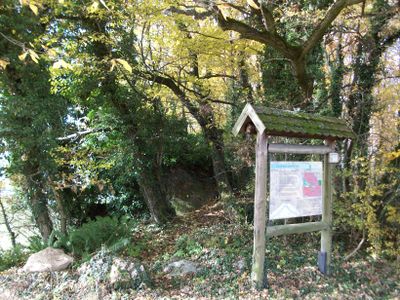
(120, 245)
(107, 231)
(36, 244)
(104, 231)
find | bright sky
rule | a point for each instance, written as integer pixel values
(7, 189)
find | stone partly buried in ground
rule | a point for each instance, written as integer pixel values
(47, 260)
(114, 272)
(103, 276)
(127, 274)
(181, 268)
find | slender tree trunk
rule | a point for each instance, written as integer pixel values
(148, 180)
(61, 209)
(36, 194)
(205, 117)
(8, 225)
(156, 198)
(214, 137)
(62, 212)
(38, 203)
(244, 78)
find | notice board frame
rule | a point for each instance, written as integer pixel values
(266, 122)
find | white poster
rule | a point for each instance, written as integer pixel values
(295, 189)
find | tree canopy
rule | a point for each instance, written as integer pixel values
(101, 101)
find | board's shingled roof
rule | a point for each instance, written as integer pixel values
(288, 123)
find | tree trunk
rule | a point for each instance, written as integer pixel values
(38, 203)
(62, 212)
(156, 198)
(214, 136)
(149, 180)
(204, 116)
(8, 225)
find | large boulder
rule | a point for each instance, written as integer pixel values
(181, 268)
(189, 190)
(48, 260)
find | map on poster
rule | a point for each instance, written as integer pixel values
(295, 189)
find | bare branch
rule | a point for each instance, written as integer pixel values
(190, 12)
(265, 14)
(222, 102)
(237, 7)
(13, 41)
(202, 34)
(208, 76)
(356, 249)
(79, 134)
(268, 19)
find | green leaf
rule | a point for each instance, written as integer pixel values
(253, 4)
(33, 56)
(22, 56)
(61, 64)
(34, 8)
(124, 64)
(3, 63)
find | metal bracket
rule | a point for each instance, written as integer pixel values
(322, 262)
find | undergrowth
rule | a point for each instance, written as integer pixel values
(13, 257)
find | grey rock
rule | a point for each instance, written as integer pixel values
(128, 274)
(240, 265)
(48, 260)
(8, 294)
(181, 268)
(96, 269)
(113, 271)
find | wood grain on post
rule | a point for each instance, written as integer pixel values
(295, 228)
(326, 234)
(298, 149)
(258, 274)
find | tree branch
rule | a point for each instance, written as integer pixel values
(267, 19)
(202, 34)
(323, 26)
(190, 12)
(357, 248)
(222, 102)
(79, 134)
(208, 76)
(264, 37)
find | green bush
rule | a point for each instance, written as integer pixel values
(36, 244)
(11, 258)
(186, 246)
(110, 232)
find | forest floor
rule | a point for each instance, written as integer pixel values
(222, 250)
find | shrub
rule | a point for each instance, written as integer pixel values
(36, 244)
(371, 208)
(107, 231)
(186, 246)
(11, 258)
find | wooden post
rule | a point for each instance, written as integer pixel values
(258, 274)
(324, 259)
(298, 149)
(295, 228)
